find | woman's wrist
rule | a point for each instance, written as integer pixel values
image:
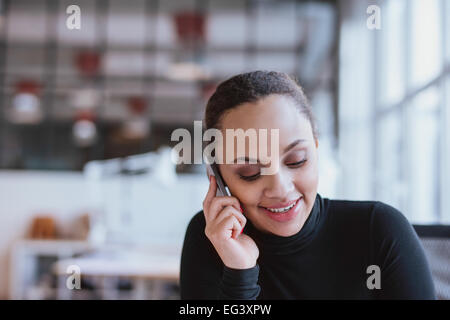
(240, 283)
(241, 277)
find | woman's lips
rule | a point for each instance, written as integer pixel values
(284, 216)
(281, 205)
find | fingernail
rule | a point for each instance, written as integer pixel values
(241, 209)
(242, 231)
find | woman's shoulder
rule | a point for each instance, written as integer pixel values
(350, 205)
(361, 206)
(378, 214)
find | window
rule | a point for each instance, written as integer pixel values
(408, 114)
(389, 185)
(421, 156)
(402, 143)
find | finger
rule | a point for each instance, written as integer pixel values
(209, 196)
(230, 227)
(231, 211)
(217, 204)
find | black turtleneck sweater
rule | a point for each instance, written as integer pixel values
(327, 259)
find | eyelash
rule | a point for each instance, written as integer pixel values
(294, 165)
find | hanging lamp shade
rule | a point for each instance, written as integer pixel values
(88, 62)
(84, 130)
(190, 26)
(26, 103)
(137, 104)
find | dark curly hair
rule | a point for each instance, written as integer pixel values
(250, 87)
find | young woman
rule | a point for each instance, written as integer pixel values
(275, 237)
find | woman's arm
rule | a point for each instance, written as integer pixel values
(203, 274)
(405, 273)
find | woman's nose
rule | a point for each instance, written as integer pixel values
(280, 185)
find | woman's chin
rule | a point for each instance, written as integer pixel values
(287, 231)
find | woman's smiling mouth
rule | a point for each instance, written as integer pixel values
(282, 213)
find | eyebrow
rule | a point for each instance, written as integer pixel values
(293, 144)
(289, 147)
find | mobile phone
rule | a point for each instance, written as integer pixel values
(222, 188)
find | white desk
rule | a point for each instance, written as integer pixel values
(107, 266)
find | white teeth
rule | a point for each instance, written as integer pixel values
(280, 210)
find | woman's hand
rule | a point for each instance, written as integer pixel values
(224, 224)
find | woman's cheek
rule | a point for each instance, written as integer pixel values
(307, 181)
(248, 195)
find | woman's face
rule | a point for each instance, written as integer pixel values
(296, 180)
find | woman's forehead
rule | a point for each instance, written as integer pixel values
(254, 141)
(271, 112)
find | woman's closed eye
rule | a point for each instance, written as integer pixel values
(250, 172)
(254, 176)
(297, 164)
(250, 178)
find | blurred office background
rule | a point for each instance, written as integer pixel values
(86, 117)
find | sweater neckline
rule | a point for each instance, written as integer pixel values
(272, 244)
